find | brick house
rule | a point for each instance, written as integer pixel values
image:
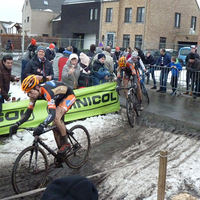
(151, 24)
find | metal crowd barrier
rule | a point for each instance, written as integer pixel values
(188, 82)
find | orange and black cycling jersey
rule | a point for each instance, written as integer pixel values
(53, 92)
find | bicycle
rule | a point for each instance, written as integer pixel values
(31, 167)
(132, 104)
(144, 91)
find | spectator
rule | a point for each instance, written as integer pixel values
(56, 47)
(100, 73)
(140, 53)
(91, 52)
(150, 60)
(39, 66)
(138, 63)
(117, 55)
(85, 79)
(9, 46)
(5, 76)
(73, 187)
(50, 52)
(129, 52)
(29, 54)
(175, 68)
(189, 74)
(109, 59)
(55, 62)
(164, 61)
(76, 50)
(193, 66)
(71, 72)
(62, 61)
(100, 48)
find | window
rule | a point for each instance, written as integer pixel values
(28, 19)
(140, 14)
(177, 20)
(93, 14)
(162, 43)
(1, 31)
(138, 40)
(109, 14)
(193, 22)
(126, 41)
(128, 14)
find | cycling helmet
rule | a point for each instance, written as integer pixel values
(29, 83)
(134, 54)
(122, 62)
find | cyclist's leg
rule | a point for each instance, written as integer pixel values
(62, 108)
(139, 95)
(125, 80)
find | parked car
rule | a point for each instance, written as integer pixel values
(183, 52)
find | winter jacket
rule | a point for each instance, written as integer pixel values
(35, 66)
(194, 67)
(188, 56)
(175, 71)
(5, 78)
(150, 60)
(55, 65)
(141, 55)
(50, 55)
(164, 60)
(72, 79)
(62, 61)
(99, 72)
(90, 54)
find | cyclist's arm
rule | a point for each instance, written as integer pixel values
(27, 114)
(134, 73)
(52, 112)
(141, 64)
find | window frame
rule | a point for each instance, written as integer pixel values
(109, 14)
(93, 14)
(140, 14)
(126, 40)
(138, 40)
(177, 20)
(128, 15)
(193, 22)
(162, 42)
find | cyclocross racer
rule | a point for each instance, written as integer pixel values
(60, 98)
(129, 70)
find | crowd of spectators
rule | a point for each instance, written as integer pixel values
(96, 66)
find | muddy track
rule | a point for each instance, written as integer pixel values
(128, 148)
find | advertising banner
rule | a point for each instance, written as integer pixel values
(90, 101)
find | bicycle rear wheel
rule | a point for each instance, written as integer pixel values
(80, 146)
(30, 170)
(145, 93)
(130, 110)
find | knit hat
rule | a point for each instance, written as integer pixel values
(51, 46)
(100, 45)
(71, 188)
(73, 55)
(41, 48)
(33, 41)
(101, 55)
(84, 59)
(192, 56)
(117, 48)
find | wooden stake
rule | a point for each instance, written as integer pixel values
(162, 175)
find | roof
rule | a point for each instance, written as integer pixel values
(54, 5)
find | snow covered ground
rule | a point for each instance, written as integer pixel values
(133, 172)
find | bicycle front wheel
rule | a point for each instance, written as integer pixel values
(145, 93)
(30, 170)
(80, 146)
(130, 110)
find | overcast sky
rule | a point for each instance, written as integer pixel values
(11, 10)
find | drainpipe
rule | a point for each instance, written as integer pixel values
(23, 26)
(144, 29)
(100, 24)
